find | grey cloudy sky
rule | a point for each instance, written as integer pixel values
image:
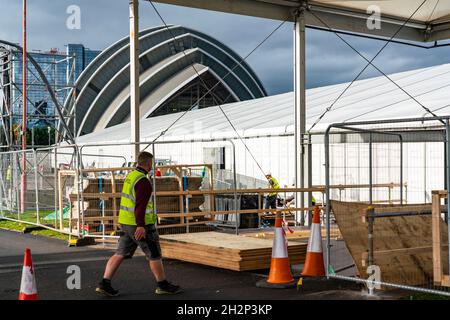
(103, 22)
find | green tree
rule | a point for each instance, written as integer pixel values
(41, 136)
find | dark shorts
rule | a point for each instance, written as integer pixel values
(271, 202)
(149, 245)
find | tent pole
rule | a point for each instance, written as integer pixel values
(134, 76)
(23, 185)
(300, 108)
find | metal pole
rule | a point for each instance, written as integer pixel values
(445, 169)
(155, 211)
(36, 186)
(300, 107)
(134, 75)
(370, 216)
(401, 171)
(309, 172)
(447, 129)
(370, 170)
(80, 197)
(327, 196)
(236, 211)
(80, 203)
(370, 220)
(24, 109)
(425, 172)
(55, 185)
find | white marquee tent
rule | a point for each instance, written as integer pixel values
(369, 99)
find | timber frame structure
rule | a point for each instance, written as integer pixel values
(77, 219)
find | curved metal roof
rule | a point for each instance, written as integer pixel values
(367, 100)
(102, 97)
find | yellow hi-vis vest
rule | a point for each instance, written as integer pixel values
(275, 185)
(128, 201)
(8, 173)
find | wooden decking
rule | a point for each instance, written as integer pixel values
(226, 251)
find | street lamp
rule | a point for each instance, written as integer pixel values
(49, 140)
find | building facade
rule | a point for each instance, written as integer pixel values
(61, 70)
(82, 55)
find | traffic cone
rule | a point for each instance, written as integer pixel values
(314, 265)
(28, 289)
(280, 269)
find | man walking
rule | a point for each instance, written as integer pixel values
(137, 222)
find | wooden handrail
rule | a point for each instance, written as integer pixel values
(105, 195)
(354, 186)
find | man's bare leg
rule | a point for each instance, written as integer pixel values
(158, 270)
(164, 287)
(112, 266)
(104, 287)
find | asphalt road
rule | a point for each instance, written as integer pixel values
(52, 257)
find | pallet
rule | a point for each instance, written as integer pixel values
(226, 251)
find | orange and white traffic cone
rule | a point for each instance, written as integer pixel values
(28, 289)
(280, 269)
(314, 266)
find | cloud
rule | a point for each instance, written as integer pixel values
(329, 60)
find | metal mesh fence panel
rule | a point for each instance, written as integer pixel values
(29, 186)
(182, 169)
(382, 178)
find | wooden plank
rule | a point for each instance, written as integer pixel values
(389, 254)
(114, 169)
(198, 214)
(439, 192)
(67, 172)
(199, 192)
(60, 201)
(445, 281)
(360, 186)
(114, 202)
(391, 233)
(212, 201)
(297, 235)
(222, 240)
(181, 224)
(226, 250)
(436, 234)
(405, 208)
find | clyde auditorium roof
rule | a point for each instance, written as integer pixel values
(166, 73)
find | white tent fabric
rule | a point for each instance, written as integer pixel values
(369, 99)
(433, 11)
(430, 23)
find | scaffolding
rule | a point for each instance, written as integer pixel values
(59, 70)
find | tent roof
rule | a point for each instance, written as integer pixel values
(430, 23)
(369, 99)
